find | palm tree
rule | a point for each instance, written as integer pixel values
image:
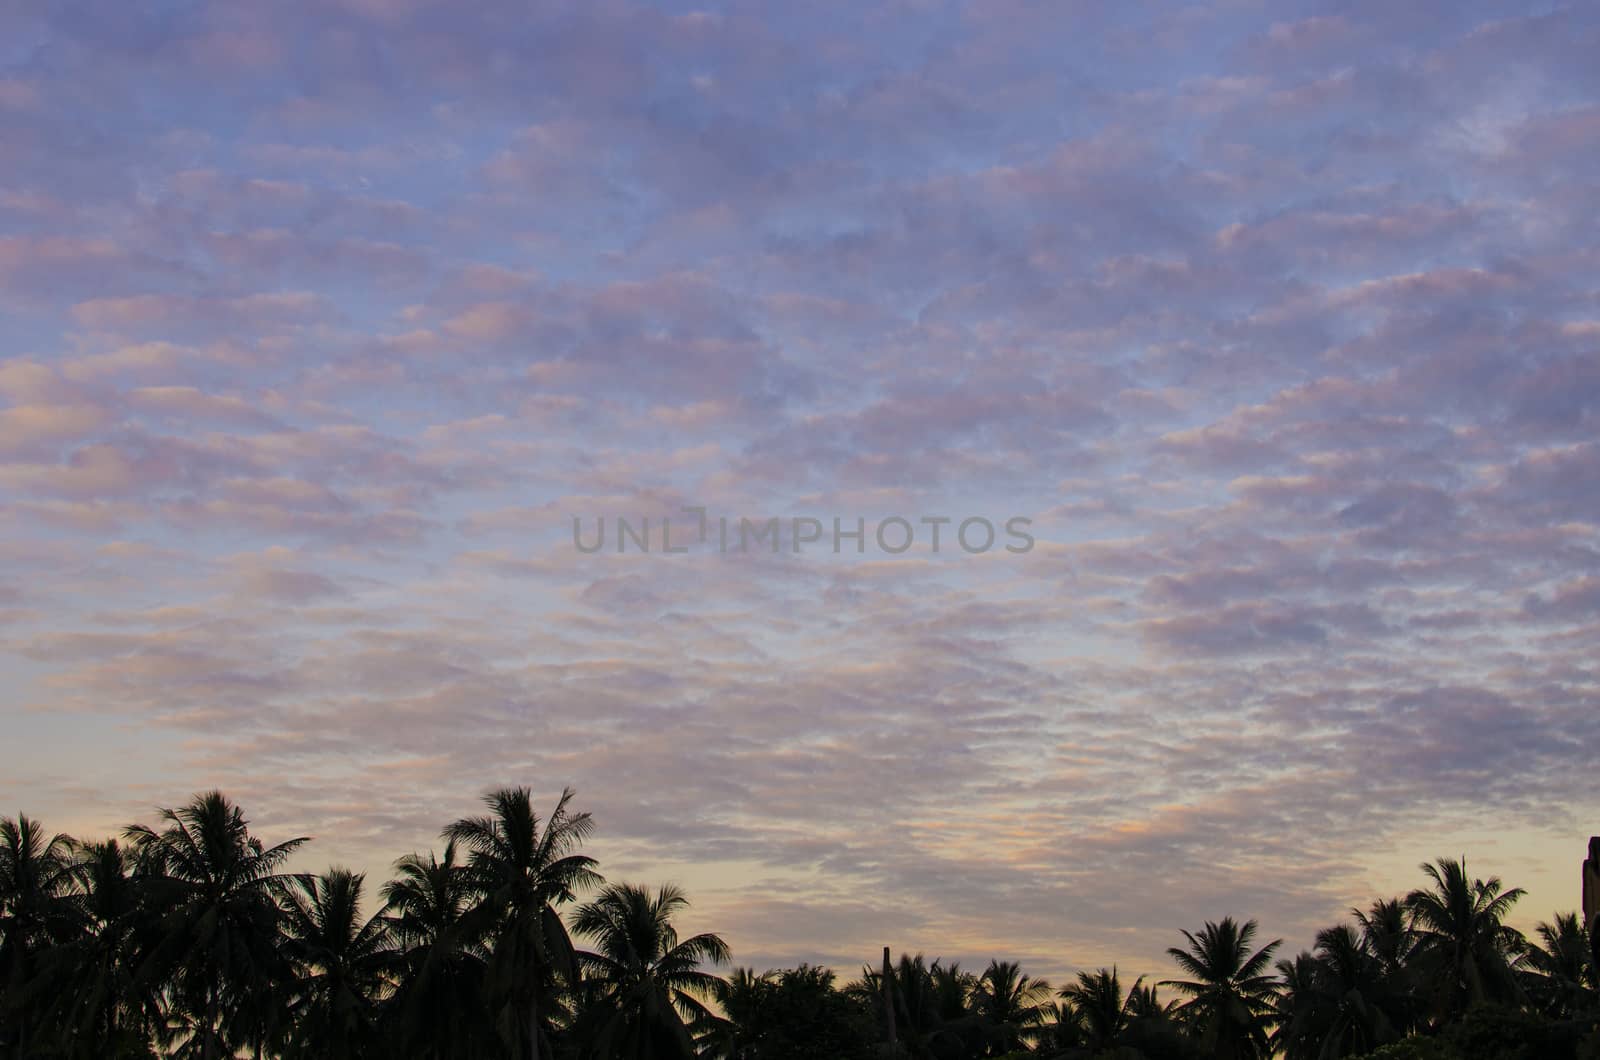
(1230, 990)
(438, 1006)
(1386, 927)
(930, 1004)
(1300, 1009)
(793, 1014)
(1103, 1012)
(1144, 1002)
(522, 870)
(743, 998)
(343, 961)
(1387, 933)
(1009, 1005)
(216, 889)
(1335, 1004)
(1065, 1030)
(653, 990)
(1560, 971)
(96, 1000)
(36, 912)
(1463, 945)
(952, 991)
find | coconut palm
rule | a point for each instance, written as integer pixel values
(1560, 974)
(744, 997)
(1104, 1013)
(930, 1004)
(875, 993)
(37, 912)
(1336, 1003)
(792, 1014)
(1386, 927)
(1230, 990)
(1464, 947)
(216, 891)
(342, 962)
(95, 999)
(1010, 1006)
(1300, 1009)
(1144, 1002)
(652, 990)
(1065, 1030)
(438, 1010)
(1388, 936)
(522, 870)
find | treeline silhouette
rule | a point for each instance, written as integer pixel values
(190, 939)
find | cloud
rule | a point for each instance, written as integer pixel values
(1281, 329)
(38, 429)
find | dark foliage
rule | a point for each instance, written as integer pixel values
(192, 938)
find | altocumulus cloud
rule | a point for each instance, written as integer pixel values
(1281, 328)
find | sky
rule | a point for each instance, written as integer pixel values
(1277, 324)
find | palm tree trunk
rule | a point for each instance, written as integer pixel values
(888, 1000)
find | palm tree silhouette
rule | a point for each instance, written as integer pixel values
(217, 892)
(1103, 1012)
(437, 1012)
(1301, 1009)
(793, 1014)
(96, 1000)
(930, 1002)
(651, 989)
(343, 961)
(1335, 1003)
(1463, 943)
(523, 869)
(192, 939)
(743, 997)
(36, 912)
(1009, 1005)
(1560, 970)
(1230, 990)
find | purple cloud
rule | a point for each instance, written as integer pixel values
(323, 326)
